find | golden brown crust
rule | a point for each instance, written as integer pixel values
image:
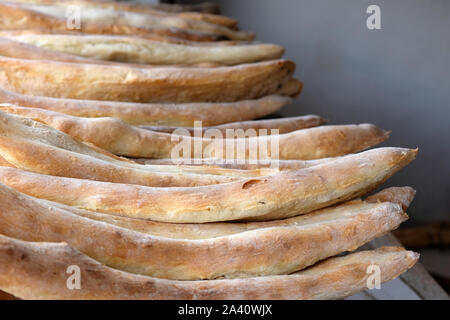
(145, 51)
(283, 125)
(187, 12)
(280, 195)
(15, 17)
(136, 6)
(258, 252)
(400, 195)
(159, 84)
(190, 12)
(168, 114)
(16, 49)
(211, 18)
(291, 88)
(5, 163)
(161, 38)
(232, 164)
(9, 47)
(26, 268)
(153, 20)
(195, 231)
(33, 146)
(120, 138)
(132, 14)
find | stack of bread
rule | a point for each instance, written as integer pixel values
(87, 121)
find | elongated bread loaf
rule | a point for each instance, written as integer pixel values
(291, 88)
(259, 252)
(144, 51)
(45, 266)
(16, 17)
(162, 84)
(400, 195)
(305, 144)
(280, 195)
(208, 10)
(159, 114)
(12, 33)
(283, 125)
(233, 164)
(193, 231)
(33, 146)
(16, 49)
(120, 138)
(107, 16)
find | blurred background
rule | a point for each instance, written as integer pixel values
(397, 78)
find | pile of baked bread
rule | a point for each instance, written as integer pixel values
(88, 117)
